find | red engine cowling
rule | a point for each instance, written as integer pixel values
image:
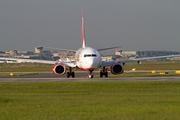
(117, 68)
(59, 69)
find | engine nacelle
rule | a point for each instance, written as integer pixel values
(59, 69)
(117, 68)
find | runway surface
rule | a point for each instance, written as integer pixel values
(81, 77)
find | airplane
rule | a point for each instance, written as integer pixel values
(87, 58)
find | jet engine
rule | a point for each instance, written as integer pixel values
(59, 69)
(117, 68)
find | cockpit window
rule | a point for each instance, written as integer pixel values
(90, 55)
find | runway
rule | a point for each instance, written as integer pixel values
(81, 77)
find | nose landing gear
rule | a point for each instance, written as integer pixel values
(90, 74)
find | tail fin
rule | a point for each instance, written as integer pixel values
(83, 38)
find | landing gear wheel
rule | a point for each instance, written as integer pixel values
(101, 74)
(90, 76)
(68, 74)
(73, 75)
(106, 74)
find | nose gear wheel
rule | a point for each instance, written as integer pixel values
(90, 74)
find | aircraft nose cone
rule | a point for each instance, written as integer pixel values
(91, 63)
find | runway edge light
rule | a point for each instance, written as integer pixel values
(11, 74)
(177, 72)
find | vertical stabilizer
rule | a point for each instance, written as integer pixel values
(83, 38)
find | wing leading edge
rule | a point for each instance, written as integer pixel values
(68, 64)
(108, 63)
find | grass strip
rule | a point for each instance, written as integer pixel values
(17, 74)
(140, 75)
(138, 100)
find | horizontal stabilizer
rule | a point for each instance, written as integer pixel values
(108, 48)
(60, 49)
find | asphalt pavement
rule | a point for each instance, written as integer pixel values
(80, 77)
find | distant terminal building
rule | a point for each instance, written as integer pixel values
(129, 53)
(156, 53)
(7, 52)
(126, 53)
(46, 54)
(38, 49)
(43, 54)
(25, 53)
(2, 52)
(122, 58)
(28, 56)
(63, 56)
(13, 52)
(108, 58)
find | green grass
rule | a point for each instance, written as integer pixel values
(90, 100)
(153, 65)
(17, 74)
(26, 69)
(140, 75)
(29, 67)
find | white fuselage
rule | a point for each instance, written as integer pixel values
(88, 58)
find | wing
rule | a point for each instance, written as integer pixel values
(68, 64)
(108, 63)
(108, 48)
(60, 49)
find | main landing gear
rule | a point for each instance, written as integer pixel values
(104, 72)
(70, 73)
(90, 74)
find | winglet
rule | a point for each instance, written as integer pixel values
(83, 38)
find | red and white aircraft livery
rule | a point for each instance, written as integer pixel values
(87, 58)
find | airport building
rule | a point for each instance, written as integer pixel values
(38, 49)
(39, 53)
(156, 53)
(127, 53)
(2, 52)
(108, 58)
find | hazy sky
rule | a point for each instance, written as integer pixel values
(132, 24)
